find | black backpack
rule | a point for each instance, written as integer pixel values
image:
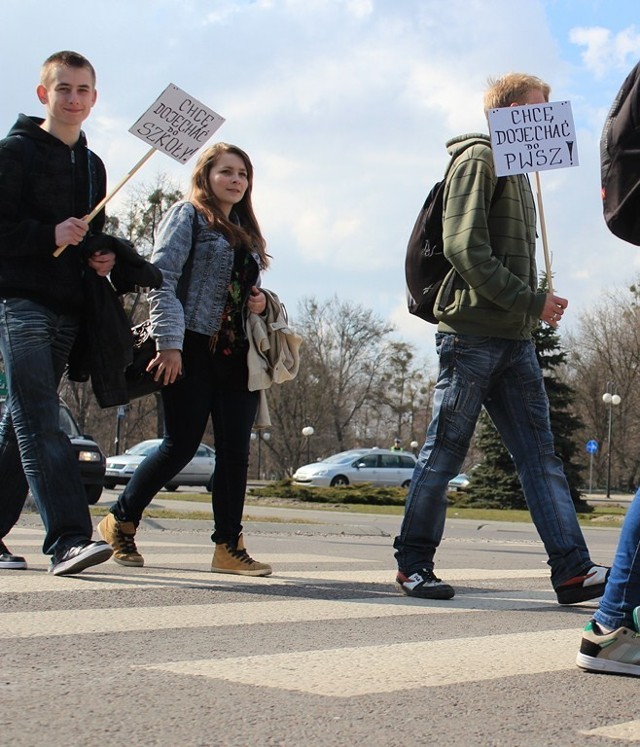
(425, 265)
(620, 161)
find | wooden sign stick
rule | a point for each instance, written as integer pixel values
(111, 194)
(543, 228)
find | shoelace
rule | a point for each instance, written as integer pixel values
(127, 543)
(430, 576)
(241, 555)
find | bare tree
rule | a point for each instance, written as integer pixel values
(605, 352)
(347, 349)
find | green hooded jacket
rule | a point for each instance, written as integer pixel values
(491, 248)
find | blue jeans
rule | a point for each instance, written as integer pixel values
(622, 593)
(34, 452)
(505, 377)
(210, 389)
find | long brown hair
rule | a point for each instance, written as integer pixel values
(247, 233)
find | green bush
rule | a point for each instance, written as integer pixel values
(354, 494)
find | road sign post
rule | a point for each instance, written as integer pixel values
(592, 448)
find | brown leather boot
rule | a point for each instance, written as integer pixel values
(234, 558)
(120, 535)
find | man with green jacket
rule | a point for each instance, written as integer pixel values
(487, 358)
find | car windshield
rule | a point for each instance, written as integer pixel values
(144, 448)
(67, 423)
(343, 457)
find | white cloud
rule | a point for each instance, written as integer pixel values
(606, 50)
(344, 107)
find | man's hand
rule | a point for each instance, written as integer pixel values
(102, 262)
(70, 231)
(553, 309)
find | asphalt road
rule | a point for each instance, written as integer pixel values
(324, 652)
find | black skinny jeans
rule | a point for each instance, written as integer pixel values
(216, 387)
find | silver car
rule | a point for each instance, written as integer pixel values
(375, 466)
(199, 471)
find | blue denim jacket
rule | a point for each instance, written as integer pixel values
(203, 301)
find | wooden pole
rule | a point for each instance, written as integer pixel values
(111, 194)
(543, 228)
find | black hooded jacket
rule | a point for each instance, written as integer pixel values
(43, 182)
(103, 348)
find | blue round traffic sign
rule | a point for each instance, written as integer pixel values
(592, 446)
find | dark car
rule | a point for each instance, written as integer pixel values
(91, 460)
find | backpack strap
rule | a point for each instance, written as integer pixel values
(497, 194)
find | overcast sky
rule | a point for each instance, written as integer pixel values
(344, 107)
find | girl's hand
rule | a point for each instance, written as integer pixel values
(257, 301)
(167, 364)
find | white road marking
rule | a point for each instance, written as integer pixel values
(110, 575)
(628, 731)
(121, 619)
(352, 672)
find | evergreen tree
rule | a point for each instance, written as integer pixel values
(494, 482)
(564, 423)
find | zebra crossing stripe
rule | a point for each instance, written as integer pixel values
(110, 576)
(352, 672)
(628, 731)
(117, 620)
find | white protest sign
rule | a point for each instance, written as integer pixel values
(534, 137)
(177, 124)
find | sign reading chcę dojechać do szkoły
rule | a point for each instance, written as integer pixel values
(177, 124)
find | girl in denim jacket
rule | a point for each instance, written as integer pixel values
(197, 321)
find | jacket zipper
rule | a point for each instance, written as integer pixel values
(73, 182)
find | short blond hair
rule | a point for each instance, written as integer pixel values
(512, 88)
(64, 59)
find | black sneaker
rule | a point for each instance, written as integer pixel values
(78, 557)
(586, 586)
(424, 584)
(10, 561)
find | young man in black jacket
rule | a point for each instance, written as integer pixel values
(49, 180)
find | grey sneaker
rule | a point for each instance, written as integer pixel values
(617, 652)
(78, 557)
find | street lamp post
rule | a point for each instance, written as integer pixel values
(307, 432)
(120, 415)
(610, 400)
(260, 436)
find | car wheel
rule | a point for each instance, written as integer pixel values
(109, 485)
(406, 484)
(172, 487)
(210, 484)
(339, 481)
(93, 493)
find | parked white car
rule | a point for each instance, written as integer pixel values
(199, 471)
(376, 466)
(460, 482)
